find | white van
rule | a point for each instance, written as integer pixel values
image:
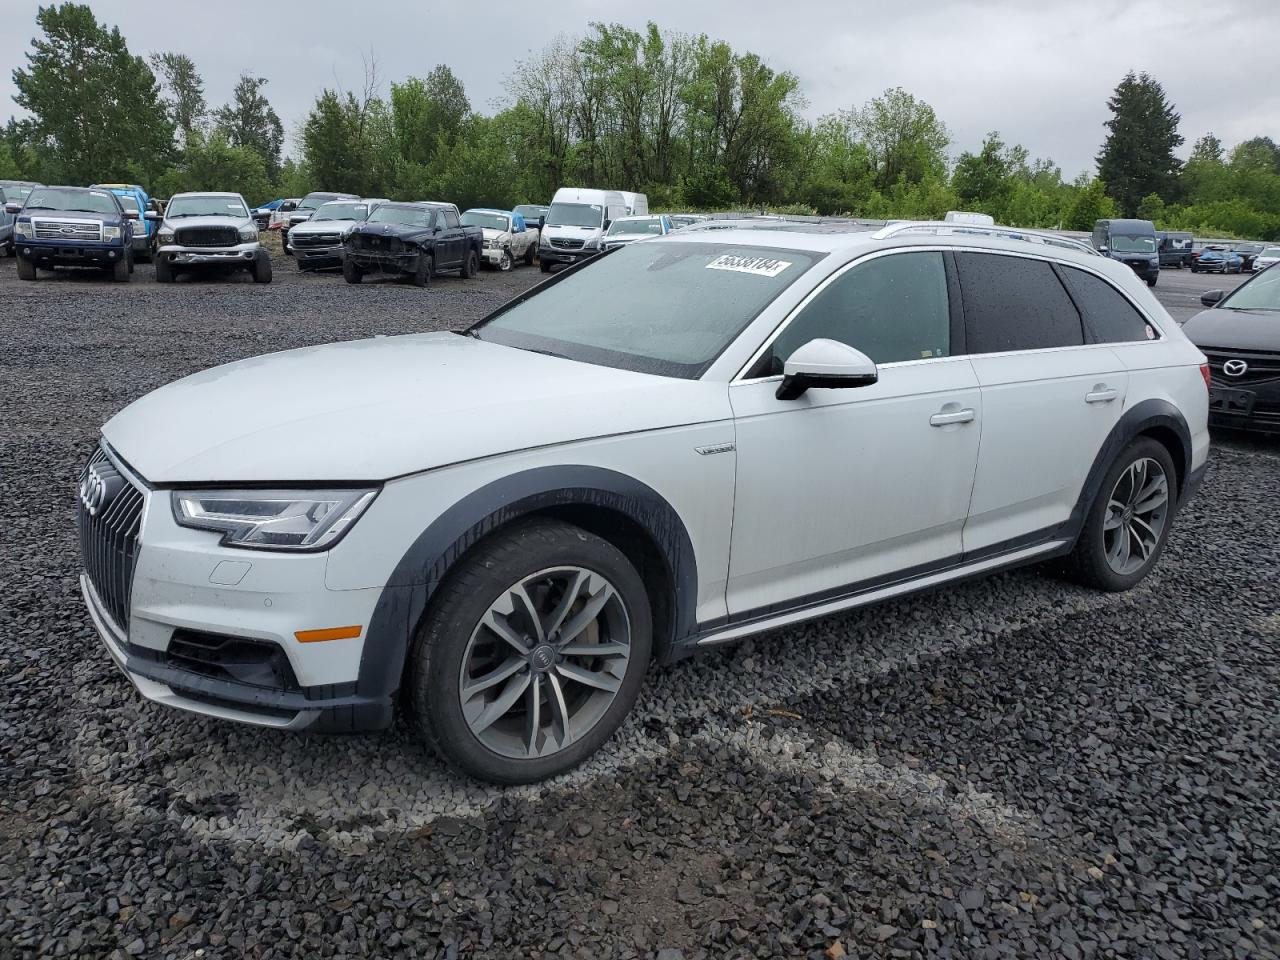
(637, 203)
(576, 223)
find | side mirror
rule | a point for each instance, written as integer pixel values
(1102, 249)
(1211, 298)
(13, 207)
(131, 214)
(286, 207)
(607, 223)
(152, 215)
(826, 364)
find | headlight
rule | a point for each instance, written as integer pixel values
(165, 235)
(249, 233)
(22, 230)
(110, 233)
(273, 519)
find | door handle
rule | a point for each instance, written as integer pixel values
(1101, 394)
(951, 416)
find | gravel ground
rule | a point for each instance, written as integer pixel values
(1014, 767)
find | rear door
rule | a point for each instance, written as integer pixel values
(455, 241)
(1049, 398)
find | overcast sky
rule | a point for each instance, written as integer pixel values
(1039, 72)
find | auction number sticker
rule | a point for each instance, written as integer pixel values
(760, 266)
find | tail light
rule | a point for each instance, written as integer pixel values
(1204, 372)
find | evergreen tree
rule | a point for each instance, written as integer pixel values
(250, 121)
(1137, 158)
(95, 108)
(184, 92)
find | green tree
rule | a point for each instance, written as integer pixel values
(984, 180)
(1257, 155)
(1207, 149)
(1151, 208)
(211, 162)
(1090, 203)
(8, 165)
(1138, 155)
(250, 121)
(904, 137)
(183, 92)
(95, 108)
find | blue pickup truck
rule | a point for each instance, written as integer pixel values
(73, 227)
(134, 198)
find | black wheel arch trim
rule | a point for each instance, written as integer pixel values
(1143, 417)
(426, 563)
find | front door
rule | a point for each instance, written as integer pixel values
(845, 489)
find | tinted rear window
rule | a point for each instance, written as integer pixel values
(1013, 303)
(1108, 316)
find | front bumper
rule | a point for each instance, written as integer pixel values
(318, 256)
(242, 254)
(493, 255)
(72, 255)
(372, 260)
(556, 255)
(211, 631)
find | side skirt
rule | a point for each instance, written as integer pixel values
(871, 595)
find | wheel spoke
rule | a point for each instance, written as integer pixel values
(1152, 496)
(1118, 555)
(1137, 478)
(497, 675)
(1114, 509)
(497, 623)
(559, 712)
(601, 681)
(520, 597)
(572, 591)
(595, 650)
(1135, 538)
(501, 704)
(533, 716)
(582, 619)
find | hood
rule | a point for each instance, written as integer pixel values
(381, 408)
(490, 234)
(177, 223)
(69, 215)
(558, 230)
(1235, 329)
(324, 226)
(391, 230)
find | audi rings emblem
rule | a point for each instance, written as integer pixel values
(1235, 368)
(94, 491)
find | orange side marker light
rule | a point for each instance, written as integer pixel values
(330, 633)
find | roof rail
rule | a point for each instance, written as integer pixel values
(1007, 233)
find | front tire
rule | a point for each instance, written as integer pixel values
(532, 653)
(546, 267)
(350, 272)
(471, 266)
(426, 267)
(1126, 527)
(262, 269)
(1151, 281)
(506, 263)
(26, 269)
(164, 270)
(120, 270)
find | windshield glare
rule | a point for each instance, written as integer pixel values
(1121, 243)
(89, 201)
(405, 216)
(684, 303)
(575, 215)
(1260, 293)
(487, 221)
(311, 203)
(650, 227)
(342, 210)
(206, 207)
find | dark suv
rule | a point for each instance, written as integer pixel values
(1133, 243)
(73, 227)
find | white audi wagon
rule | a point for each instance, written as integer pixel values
(498, 531)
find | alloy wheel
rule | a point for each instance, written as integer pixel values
(1136, 514)
(545, 662)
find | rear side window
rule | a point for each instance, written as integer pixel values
(892, 308)
(1108, 316)
(451, 219)
(1014, 303)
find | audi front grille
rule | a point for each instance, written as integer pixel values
(109, 517)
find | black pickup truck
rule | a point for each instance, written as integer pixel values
(413, 239)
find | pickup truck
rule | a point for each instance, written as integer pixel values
(506, 237)
(413, 239)
(134, 199)
(305, 209)
(72, 227)
(203, 231)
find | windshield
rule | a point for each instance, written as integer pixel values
(684, 303)
(1270, 252)
(575, 215)
(649, 227)
(1260, 293)
(405, 216)
(488, 221)
(1121, 243)
(128, 202)
(15, 194)
(64, 198)
(205, 207)
(531, 211)
(342, 210)
(311, 203)
(1248, 247)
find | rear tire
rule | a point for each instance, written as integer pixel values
(26, 269)
(551, 702)
(529, 252)
(262, 269)
(1128, 523)
(350, 272)
(164, 270)
(426, 267)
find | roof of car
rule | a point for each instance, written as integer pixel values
(505, 213)
(206, 193)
